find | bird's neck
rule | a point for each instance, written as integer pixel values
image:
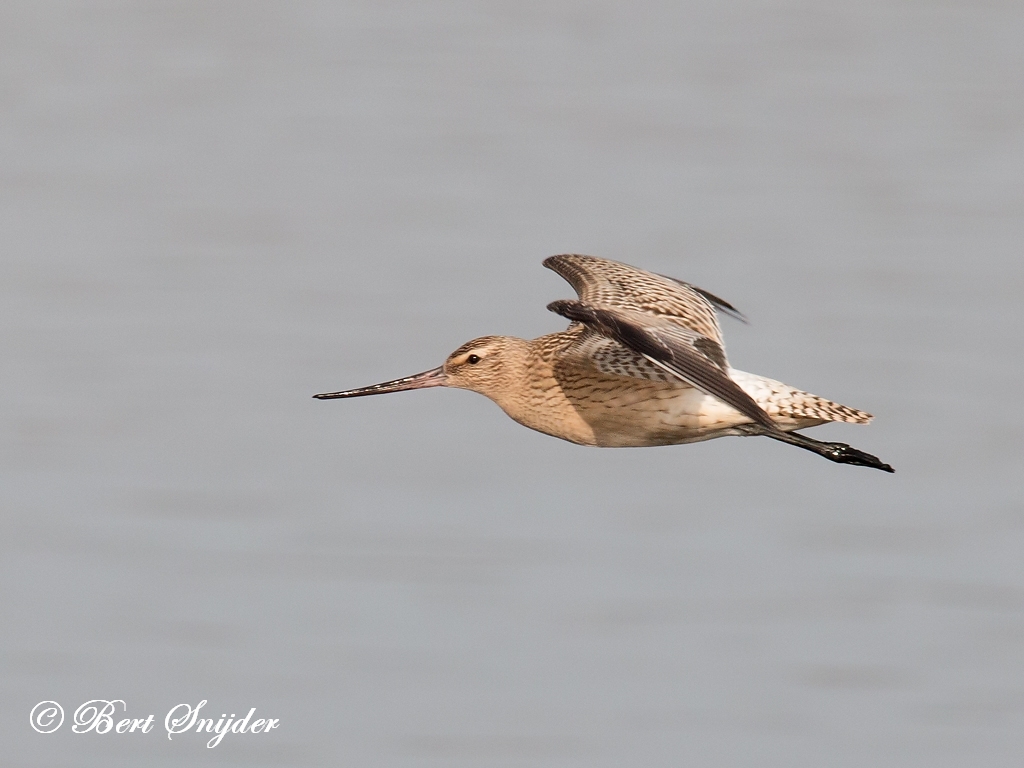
(534, 396)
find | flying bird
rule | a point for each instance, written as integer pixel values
(641, 364)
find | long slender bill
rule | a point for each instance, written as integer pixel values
(435, 377)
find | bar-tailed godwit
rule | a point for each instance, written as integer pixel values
(642, 364)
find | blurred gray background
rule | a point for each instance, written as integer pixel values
(211, 211)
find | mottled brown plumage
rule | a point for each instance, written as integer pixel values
(643, 363)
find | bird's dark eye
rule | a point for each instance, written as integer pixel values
(473, 359)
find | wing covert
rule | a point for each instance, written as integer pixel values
(681, 352)
(606, 284)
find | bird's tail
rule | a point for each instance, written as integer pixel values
(804, 405)
(783, 402)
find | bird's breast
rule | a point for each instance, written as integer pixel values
(590, 408)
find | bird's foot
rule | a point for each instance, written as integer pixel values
(842, 453)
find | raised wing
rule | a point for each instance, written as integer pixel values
(605, 284)
(677, 350)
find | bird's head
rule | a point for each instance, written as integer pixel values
(488, 365)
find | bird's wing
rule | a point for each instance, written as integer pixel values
(644, 341)
(605, 284)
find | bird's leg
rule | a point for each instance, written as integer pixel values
(840, 453)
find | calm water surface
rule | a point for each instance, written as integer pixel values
(212, 211)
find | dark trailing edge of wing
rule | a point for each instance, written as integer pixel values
(720, 304)
(713, 351)
(684, 360)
